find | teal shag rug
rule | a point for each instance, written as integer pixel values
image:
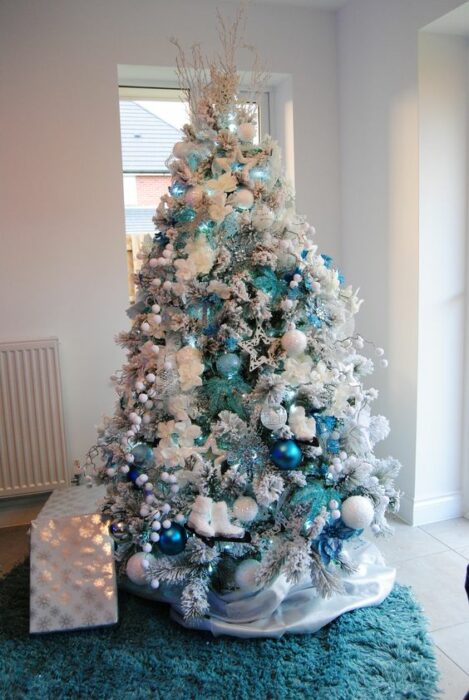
(379, 653)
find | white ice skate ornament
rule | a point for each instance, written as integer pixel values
(211, 519)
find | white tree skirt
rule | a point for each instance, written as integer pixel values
(281, 608)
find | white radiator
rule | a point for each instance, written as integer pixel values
(32, 439)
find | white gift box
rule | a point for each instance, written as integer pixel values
(72, 574)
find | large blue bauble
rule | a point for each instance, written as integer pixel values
(286, 454)
(173, 540)
(142, 453)
(228, 364)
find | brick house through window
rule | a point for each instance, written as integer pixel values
(147, 141)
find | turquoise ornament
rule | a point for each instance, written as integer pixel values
(142, 453)
(259, 173)
(184, 215)
(173, 540)
(286, 454)
(206, 227)
(177, 189)
(228, 364)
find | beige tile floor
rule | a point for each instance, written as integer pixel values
(432, 559)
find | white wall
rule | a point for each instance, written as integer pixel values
(379, 137)
(442, 265)
(62, 268)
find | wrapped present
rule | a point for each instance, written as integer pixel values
(73, 580)
(77, 500)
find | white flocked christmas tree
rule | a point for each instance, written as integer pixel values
(241, 448)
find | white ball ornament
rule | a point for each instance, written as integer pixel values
(194, 196)
(273, 416)
(242, 198)
(180, 149)
(150, 376)
(145, 327)
(245, 509)
(246, 131)
(147, 547)
(294, 342)
(245, 575)
(137, 566)
(262, 217)
(357, 512)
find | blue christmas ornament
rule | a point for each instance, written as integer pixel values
(133, 474)
(230, 225)
(259, 173)
(230, 344)
(193, 160)
(142, 453)
(119, 531)
(184, 215)
(200, 440)
(286, 454)
(177, 189)
(206, 226)
(228, 364)
(333, 446)
(325, 424)
(173, 540)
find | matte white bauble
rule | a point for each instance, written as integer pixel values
(245, 509)
(294, 342)
(262, 217)
(136, 570)
(180, 149)
(242, 198)
(245, 575)
(357, 512)
(194, 196)
(246, 131)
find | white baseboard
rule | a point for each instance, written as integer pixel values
(431, 510)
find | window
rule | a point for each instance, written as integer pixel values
(151, 122)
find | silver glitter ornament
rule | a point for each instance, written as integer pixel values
(273, 417)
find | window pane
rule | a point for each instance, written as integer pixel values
(151, 123)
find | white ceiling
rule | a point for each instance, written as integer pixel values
(321, 4)
(455, 22)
